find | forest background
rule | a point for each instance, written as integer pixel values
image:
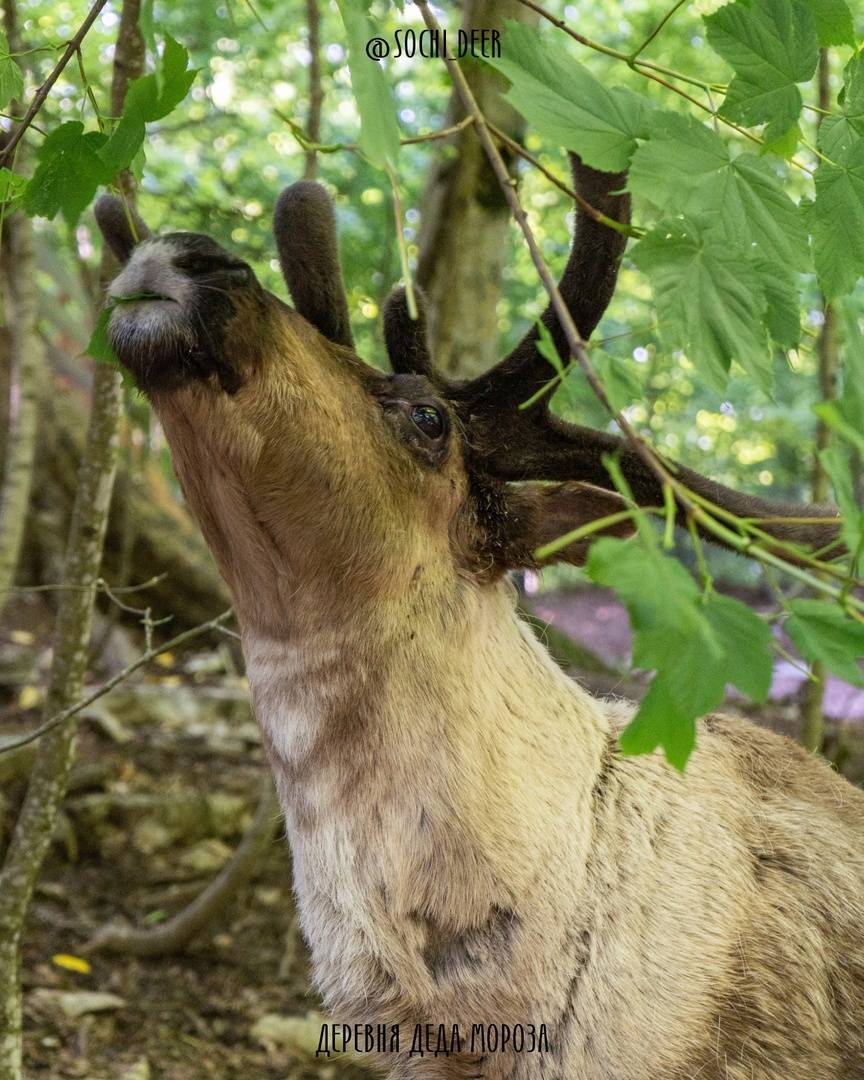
(734, 344)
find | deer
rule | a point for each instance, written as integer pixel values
(469, 844)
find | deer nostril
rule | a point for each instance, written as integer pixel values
(196, 262)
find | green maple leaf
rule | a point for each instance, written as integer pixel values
(685, 167)
(709, 296)
(837, 219)
(11, 79)
(822, 633)
(152, 97)
(838, 134)
(772, 46)
(69, 172)
(562, 100)
(833, 22)
(694, 645)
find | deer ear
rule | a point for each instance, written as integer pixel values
(406, 338)
(540, 513)
(120, 225)
(304, 226)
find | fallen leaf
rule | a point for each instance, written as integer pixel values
(29, 697)
(71, 963)
(77, 1003)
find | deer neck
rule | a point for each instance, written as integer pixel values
(416, 751)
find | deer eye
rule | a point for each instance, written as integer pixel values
(429, 419)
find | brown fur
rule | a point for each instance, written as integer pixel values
(469, 846)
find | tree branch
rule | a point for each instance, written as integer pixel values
(43, 91)
(176, 933)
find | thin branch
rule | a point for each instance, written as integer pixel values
(177, 932)
(316, 92)
(657, 29)
(43, 91)
(597, 215)
(307, 144)
(144, 658)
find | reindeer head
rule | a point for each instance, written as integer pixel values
(306, 467)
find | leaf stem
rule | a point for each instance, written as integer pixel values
(589, 529)
(656, 30)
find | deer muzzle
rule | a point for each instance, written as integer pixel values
(172, 304)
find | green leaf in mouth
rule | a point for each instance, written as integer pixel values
(140, 296)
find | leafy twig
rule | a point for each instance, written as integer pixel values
(648, 71)
(691, 504)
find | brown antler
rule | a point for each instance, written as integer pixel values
(120, 224)
(406, 338)
(305, 230)
(586, 287)
(532, 444)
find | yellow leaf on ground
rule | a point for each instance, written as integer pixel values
(71, 963)
(29, 696)
(21, 637)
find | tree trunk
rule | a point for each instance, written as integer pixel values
(24, 353)
(49, 779)
(465, 219)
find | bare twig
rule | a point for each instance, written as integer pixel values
(144, 658)
(316, 93)
(43, 91)
(307, 144)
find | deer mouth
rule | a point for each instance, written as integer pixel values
(171, 305)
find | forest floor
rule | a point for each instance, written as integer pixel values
(168, 775)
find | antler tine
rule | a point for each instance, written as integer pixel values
(120, 224)
(406, 338)
(552, 449)
(586, 286)
(304, 227)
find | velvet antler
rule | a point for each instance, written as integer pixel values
(304, 226)
(514, 444)
(406, 338)
(120, 224)
(586, 286)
